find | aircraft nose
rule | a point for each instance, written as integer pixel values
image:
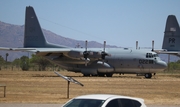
(162, 64)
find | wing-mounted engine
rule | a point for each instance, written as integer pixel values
(98, 54)
(81, 54)
(88, 55)
(104, 53)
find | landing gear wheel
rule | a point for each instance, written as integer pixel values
(94, 75)
(101, 74)
(86, 75)
(148, 75)
(109, 75)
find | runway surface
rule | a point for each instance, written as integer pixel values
(59, 105)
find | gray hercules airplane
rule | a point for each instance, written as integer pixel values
(88, 61)
(171, 42)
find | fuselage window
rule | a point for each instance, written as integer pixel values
(147, 55)
(150, 55)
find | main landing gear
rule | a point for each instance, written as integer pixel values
(148, 75)
(99, 74)
(105, 74)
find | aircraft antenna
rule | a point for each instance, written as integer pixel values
(78, 45)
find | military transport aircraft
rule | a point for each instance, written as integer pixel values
(92, 61)
(171, 37)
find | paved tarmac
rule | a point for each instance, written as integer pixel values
(59, 105)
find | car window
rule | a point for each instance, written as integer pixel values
(113, 103)
(137, 103)
(84, 103)
(127, 103)
(73, 103)
(130, 103)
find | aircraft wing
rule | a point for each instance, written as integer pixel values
(74, 53)
(177, 53)
(36, 49)
(16, 49)
(47, 51)
(41, 50)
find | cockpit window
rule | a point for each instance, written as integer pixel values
(155, 55)
(150, 55)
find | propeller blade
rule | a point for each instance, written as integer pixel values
(153, 45)
(104, 45)
(85, 53)
(86, 45)
(136, 44)
(103, 54)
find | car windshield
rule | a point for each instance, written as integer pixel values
(84, 103)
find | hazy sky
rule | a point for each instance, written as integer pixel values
(118, 22)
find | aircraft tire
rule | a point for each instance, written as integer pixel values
(148, 75)
(101, 74)
(94, 75)
(109, 74)
(86, 75)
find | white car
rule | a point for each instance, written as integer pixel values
(104, 100)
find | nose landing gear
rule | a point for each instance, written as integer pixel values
(148, 75)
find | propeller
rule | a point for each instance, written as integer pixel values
(136, 45)
(103, 53)
(152, 45)
(85, 53)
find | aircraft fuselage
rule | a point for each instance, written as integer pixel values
(119, 61)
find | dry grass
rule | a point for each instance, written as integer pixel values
(46, 87)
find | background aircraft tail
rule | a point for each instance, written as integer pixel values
(171, 40)
(33, 35)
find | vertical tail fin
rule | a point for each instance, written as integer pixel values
(171, 40)
(33, 35)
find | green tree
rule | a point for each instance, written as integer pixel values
(16, 62)
(24, 63)
(40, 61)
(178, 61)
(174, 66)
